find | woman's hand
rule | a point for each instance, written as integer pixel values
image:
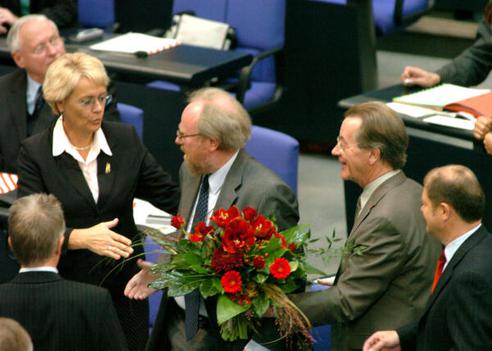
(138, 287)
(487, 142)
(101, 240)
(483, 125)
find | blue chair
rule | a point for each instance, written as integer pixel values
(260, 30)
(96, 13)
(152, 252)
(131, 115)
(277, 151)
(259, 27)
(322, 333)
(391, 15)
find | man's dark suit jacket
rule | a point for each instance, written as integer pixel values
(459, 313)
(248, 183)
(62, 12)
(13, 118)
(61, 314)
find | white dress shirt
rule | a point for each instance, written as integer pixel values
(89, 165)
(454, 245)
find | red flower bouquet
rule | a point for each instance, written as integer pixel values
(242, 258)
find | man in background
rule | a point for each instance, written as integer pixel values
(459, 313)
(34, 43)
(58, 314)
(390, 282)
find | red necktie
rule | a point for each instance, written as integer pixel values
(439, 268)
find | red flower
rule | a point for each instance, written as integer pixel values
(177, 221)
(223, 261)
(249, 214)
(264, 228)
(231, 282)
(223, 217)
(259, 262)
(282, 239)
(238, 236)
(280, 268)
(201, 231)
(292, 247)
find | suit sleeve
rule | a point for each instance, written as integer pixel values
(473, 65)
(280, 202)
(30, 181)
(62, 12)
(364, 279)
(111, 333)
(408, 336)
(469, 313)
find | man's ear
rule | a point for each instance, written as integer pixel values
(374, 156)
(19, 59)
(59, 245)
(214, 144)
(10, 242)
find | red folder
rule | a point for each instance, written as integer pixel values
(480, 105)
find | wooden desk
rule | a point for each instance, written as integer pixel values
(429, 146)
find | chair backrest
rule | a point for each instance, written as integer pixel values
(96, 13)
(390, 15)
(277, 151)
(131, 115)
(259, 25)
(152, 252)
(209, 9)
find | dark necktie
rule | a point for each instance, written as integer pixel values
(192, 300)
(439, 268)
(38, 105)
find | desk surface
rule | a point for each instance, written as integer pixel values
(387, 94)
(185, 65)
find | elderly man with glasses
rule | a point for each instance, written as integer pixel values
(388, 285)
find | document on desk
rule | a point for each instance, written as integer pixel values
(410, 110)
(132, 43)
(452, 122)
(440, 96)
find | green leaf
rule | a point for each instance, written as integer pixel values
(298, 234)
(261, 278)
(227, 309)
(289, 286)
(260, 305)
(293, 265)
(207, 288)
(217, 284)
(313, 270)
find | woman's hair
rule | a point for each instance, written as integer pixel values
(65, 72)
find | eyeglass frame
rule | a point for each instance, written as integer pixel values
(89, 102)
(343, 145)
(55, 41)
(180, 135)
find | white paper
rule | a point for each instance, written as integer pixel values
(148, 215)
(131, 43)
(410, 110)
(440, 95)
(450, 122)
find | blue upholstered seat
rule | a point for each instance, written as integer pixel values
(277, 151)
(259, 27)
(131, 115)
(96, 13)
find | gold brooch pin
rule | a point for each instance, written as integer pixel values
(108, 168)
